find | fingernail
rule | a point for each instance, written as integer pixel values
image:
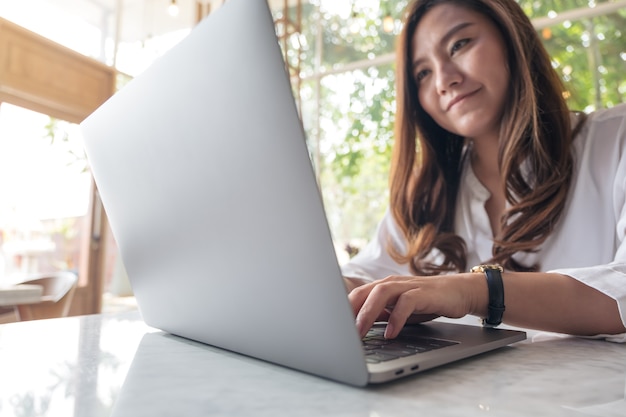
(389, 331)
(359, 326)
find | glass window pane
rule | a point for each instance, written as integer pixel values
(535, 8)
(356, 121)
(44, 189)
(590, 56)
(75, 24)
(358, 30)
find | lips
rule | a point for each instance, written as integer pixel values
(458, 98)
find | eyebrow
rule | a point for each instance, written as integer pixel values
(445, 39)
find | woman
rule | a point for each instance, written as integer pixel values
(490, 167)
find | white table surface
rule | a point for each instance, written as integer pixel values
(115, 365)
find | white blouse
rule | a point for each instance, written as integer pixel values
(589, 244)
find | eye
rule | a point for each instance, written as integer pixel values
(421, 75)
(458, 45)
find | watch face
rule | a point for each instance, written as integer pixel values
(482, 268)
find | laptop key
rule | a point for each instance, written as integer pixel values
(378, 349)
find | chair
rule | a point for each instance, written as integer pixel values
(7, 315)
(58, 292)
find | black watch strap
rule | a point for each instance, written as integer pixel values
(495, 309)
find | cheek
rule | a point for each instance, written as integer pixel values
(427, 101)
(501, 86)
(495, 72)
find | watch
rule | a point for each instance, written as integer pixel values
(495, 308)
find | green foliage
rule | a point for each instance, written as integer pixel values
(590, 56)
(357, 137)
(357, 113)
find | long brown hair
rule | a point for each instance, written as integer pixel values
(535, 155)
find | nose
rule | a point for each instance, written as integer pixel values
(447, 76)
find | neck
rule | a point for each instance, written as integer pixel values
(485, 158)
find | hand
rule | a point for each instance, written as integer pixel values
(407, 299)
(351, 283)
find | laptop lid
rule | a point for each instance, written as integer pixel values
(205, 176)
(203, 169)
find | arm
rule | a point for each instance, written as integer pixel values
(556, 302)
(544, 301)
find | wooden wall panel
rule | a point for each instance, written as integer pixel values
(44, 76)
(40, 75)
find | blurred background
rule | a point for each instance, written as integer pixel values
(59, 59)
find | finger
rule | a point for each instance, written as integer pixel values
(411, 307)
(380, 296)
(393, 329)
(384, 316)
(405, 306)
(358, 296)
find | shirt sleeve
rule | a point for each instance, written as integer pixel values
(373, 261)
(610, 279)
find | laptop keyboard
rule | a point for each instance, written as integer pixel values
(378, 349)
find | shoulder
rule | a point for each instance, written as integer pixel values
(603, 124)
(600, 145)
(613, 114)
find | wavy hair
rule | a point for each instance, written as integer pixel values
(534, 156)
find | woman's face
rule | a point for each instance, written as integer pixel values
(460, 67)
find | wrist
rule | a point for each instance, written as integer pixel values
(495, 290)
(479, 294)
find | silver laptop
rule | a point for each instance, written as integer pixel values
(203, 169)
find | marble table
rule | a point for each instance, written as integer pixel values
(115, 365)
